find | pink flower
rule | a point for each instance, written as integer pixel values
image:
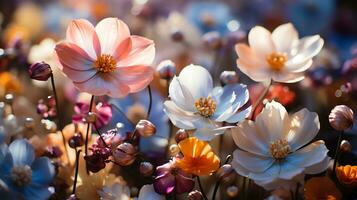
(106, 59)
(102, 111)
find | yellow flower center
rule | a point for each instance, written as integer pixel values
(105, 63)
(279, 149)
(21, 175)
(276, 60)
(205, 106)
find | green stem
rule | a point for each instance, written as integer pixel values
(260, 99)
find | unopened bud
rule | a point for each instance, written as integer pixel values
(195, 195)
(174, 149)
(226, 173)
(166, 69)
(145, 128)
(181, 134)
(91, 117)
(72, 197)
(29, 123)
(212, 40)
(146, 168)
(40, 71)
(76, 141)
(228, 77)
(125, 154)
(177, 36)
(94, 162)
(341, 118)
(346, 146)
(232, 191)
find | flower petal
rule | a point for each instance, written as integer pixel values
(289, 171)
(179, 117)
(111, 32)
(273, 121)
(36, 193)
(254, 163)
(180, 94)
(22, 152)
(297, 66)
(249, 138)
(318, 167)
(260, 40)
(208, 130)
(284, 37)
(148, 192)
(81, 32)
(135, 77)
(142, 52)
(43, 171)
(304, 126)
(268, 175)
(229, 99)
(307, 48)
(164, 184)
(183, 184)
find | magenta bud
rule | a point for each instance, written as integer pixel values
(166, 69)
(40, 71)
(76, 141)
(125, 154)
(146, 168)
(145, 128)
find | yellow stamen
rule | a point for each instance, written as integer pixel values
(279, 149)
(276, 60)
(105, 63)
(205, 106)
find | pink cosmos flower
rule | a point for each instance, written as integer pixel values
(106, 59)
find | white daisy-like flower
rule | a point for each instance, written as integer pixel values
(279, 56)
(273, 149)
(196, 105)
(117, 191)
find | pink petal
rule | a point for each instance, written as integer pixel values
(123, 49)
(142, 52)
(81, 32)
(260, 40)
(111, 32)
(136, 77)
(76, 63)
(104, 84)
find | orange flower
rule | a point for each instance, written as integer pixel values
(321, 188)
(347, 175)
(198, 157)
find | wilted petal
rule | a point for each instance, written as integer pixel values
(164, 184)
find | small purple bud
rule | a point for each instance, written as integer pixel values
(125, 154)
(166, 69)
(212, 40)
(177, 36)
(53, 152)
(76, 141)
(146, 168)
(228, 77)
(181, 134)
(95, 162)
(40, 71)
(145, 128)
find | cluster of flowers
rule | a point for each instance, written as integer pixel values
(275, 149)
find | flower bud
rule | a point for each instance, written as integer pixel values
(181, 134)
(232, 191)
(226, 173)
(177, 36)
(91, 117)
(145, 128)
(72, 197)
(9, 98)
(49, 125)
(76, 140)
(40, 71)
(212, 40)
(29, 123)
(146, 168)
(174, 149)
(346, 146)
(228, 77)
(166, 69)
(195, 195)
(341, 118)
(94, 162)
(125, 154)
(53, 152)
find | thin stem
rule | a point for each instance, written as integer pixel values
(201, 188)
(260, 99)
(228, 159)
(337, 153)
(150, 102)
(244, 188)
(88, 126)
(297, 191)
(58, 113)
(76, 172)
(122, 113)
(216, 186)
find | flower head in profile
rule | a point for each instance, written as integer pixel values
(347, 175)
(198, 157)
(27, 177)
(275, 147)
(279, 56)
(195, 104)
(103, 112)
(321, 188)
(106, 59)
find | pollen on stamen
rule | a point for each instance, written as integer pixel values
(279, 149)
(205, 106)
(105, 63)
(276, 60)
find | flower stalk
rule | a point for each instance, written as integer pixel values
(260, 99)
(88, 126)
(201, 188)
(337, 153)
(76, 172)
(150, 102)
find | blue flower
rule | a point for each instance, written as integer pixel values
(209, 16)
(135, 106)
(26, 177)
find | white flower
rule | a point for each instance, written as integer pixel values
(148, 192)
(273, 150)
(117, 191)
(279, 56)
(196, 105)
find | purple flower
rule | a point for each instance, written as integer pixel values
(169, 178)
(40, 71)
(103, 113)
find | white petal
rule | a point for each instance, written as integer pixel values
(285, 37)
(304, 126)
(260, 41)
(287, 77)
(281, 183)
(181, 95)
(22, 152)
(254, 163)
(310, 155)
(307, 48)
(179, 117)
(148, 192)
(209, 131)
(238, 167)
(270, 174)
(197, 80)
(288, 170)
(249, 138)
(240, 116)
(273, 121)
(319, 167)
(296, 66)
